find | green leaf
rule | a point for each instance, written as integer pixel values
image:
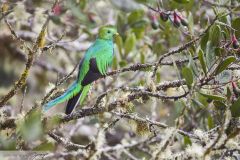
(123, 63)
(219, 105)
(119, 43)
(202, 99)
(210, 54)
(187, 141)
(83, 4)
(202, 61)
(229, 93)
(115, 63)
(192, 65)
(142, 57)
(129, 43)
(51, 123)
(197, 103)
(191, 23)
(135, 16)
(224, 77)
(204, 41)
(30, 128)
(140, 24)
(188, 76)
(182, 1)
(235, 108)
(210, 122)
(142, 1)
(224, 64)
(76, 11)
(139, 32)
(46, 146)
(7, 143)
(219, 51)
(158, 77)
(213, 97)
(178, 106)
(215, 35)
(236, 26)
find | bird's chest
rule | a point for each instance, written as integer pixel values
(111, 48)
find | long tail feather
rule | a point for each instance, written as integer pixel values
(73, 102)
(69, 93)
(84, 93)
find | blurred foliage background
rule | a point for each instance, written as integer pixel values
(186, 109)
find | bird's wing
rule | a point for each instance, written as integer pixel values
(92, 74)
(95, 62)
(104, 58)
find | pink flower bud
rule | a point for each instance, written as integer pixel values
(176, 20)
(57, 9)
(235, 42)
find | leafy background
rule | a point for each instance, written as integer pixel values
(172, 91)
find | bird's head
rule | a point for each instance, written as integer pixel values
(107, 32)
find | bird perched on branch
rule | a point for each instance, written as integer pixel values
(93, 66)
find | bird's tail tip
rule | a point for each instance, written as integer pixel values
(46, 107)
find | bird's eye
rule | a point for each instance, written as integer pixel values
(108, 31)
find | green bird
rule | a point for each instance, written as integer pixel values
(93, 66)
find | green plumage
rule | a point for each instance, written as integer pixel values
(93, 65)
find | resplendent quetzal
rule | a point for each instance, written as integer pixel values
(93, 65)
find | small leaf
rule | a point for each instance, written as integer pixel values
(140, 24)
(202, 61)
(188, 76)
(46, 146)
(210, 122)
(191, 23)
(142, 57)
(236, 26)
(224, 64)
(139, 32)
(182, 1)
(187, 141)
(30, 128)
(7, 143)
(229, 93)
(178, 106)
(213, 97)
(119, 43)
(219, 51)
(215, 35)
(235, 108)
(115, 63)
(219, 105)
(129, 43)
(210, 54)
(135, 16)
(51, 123)
(192, 65)
(204, 41)
(158, 77)
(197, 103)
(123, 63)
(224, 77)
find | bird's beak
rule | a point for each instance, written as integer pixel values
(115, 36)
